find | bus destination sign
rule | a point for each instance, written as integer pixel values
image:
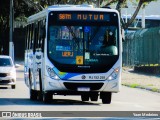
(83, 17)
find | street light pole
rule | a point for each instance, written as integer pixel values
(11, 45)
(98, 3)
(143, 17)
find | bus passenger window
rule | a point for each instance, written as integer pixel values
(42, 37)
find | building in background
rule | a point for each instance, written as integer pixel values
(148, 17)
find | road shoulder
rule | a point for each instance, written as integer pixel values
(140, 80)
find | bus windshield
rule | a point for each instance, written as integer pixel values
(85, 44)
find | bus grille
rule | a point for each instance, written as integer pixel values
(75, 86)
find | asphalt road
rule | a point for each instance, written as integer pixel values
(128, 99)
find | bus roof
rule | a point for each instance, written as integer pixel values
(77, 8)
(83, 7)
(61, 6)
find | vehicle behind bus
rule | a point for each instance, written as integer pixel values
(73, 50)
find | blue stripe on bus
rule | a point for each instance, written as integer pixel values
(70, 75)
(64, 75)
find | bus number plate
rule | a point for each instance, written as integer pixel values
(83, 89)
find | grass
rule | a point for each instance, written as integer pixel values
(154, 89)
(131, 85)
(134, 85)
(142, 87)
(150, 65)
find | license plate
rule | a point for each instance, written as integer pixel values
(83, 89)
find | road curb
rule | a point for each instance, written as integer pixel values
(143, 87)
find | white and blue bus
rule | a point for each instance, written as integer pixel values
(73, 50)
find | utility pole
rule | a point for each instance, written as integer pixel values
(98, 3)
(11, 45)
(143, 17)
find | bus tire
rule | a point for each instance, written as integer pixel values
(33, 94)
(85, 97)
(106, 97)
(13, 86)
(40, 93)
(94, 96)
(47, 97)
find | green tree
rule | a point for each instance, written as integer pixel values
(21, 11)
(4, 21)
(24, 8)
(41, 4)
(122, 3)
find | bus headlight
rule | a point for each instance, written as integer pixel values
(51, 73)
(114, 74)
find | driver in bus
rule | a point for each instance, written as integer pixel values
(108, 45)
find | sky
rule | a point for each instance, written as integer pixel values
(152, 8)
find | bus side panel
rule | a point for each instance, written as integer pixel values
(26, 69)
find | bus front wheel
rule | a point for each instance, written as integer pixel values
(85, 97)
(33, 94)
(40, 93)
(94, 96)
(47, 97)
(13, 86)
(106, 97)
